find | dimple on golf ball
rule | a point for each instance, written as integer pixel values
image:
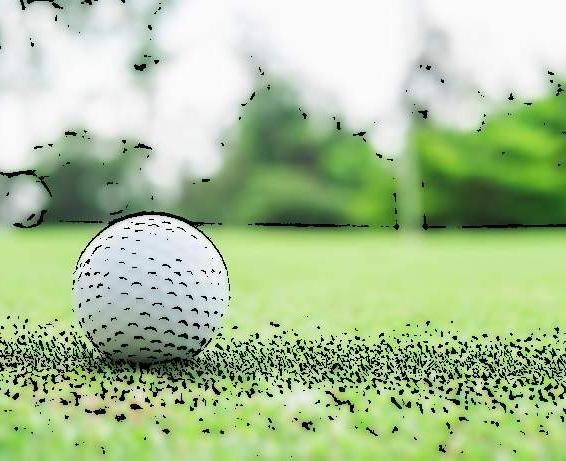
(150, 287)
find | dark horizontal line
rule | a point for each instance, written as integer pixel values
(80, 222)
(260, 224)
(206, 223)
(276, 224)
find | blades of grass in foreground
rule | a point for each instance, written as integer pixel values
(420, 367)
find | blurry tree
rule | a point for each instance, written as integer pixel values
(285, 167)
(93, 179)
(513, 170)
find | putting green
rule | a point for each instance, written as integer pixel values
(318, 283)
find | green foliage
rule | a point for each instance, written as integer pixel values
(513, 170)
(92, 179)
(284, 168)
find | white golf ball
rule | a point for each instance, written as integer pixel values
(150, 287)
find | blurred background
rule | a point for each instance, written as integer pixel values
(376, 114)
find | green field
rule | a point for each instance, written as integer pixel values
(318, 283)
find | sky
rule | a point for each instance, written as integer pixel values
(354, 60)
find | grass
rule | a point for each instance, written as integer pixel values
(318, 283)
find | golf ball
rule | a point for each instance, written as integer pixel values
(150, 287)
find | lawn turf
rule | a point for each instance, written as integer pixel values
(318, 283)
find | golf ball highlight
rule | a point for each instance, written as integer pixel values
(150, 287)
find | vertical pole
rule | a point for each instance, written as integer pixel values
(409, 193)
